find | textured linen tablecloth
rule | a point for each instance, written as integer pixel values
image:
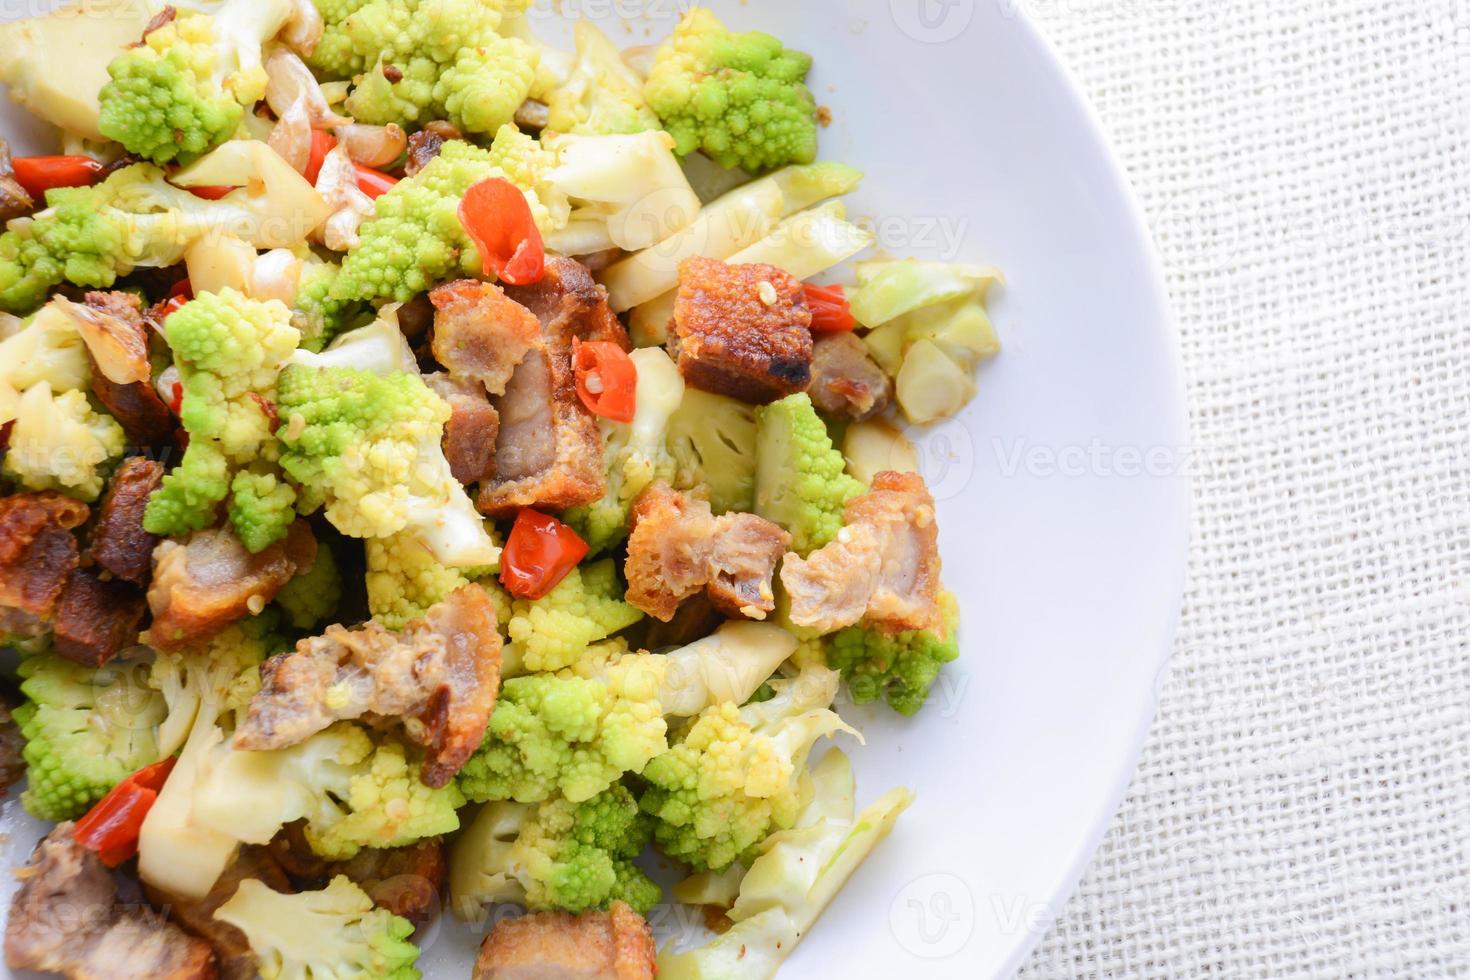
(1303, 803)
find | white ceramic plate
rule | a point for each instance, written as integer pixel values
(1063, 508)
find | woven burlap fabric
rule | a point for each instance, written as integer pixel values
(1303, 804)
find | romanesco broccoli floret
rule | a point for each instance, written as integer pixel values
(634, 454)
(262, 507)
(315, 312)
(368, 446)
(586, 606)
(417, 60)
(85, 730)
(555, 733)
(712, 441)
(404, 579)
(352, 792)
(313, 595)
(741, 98)
(901, 667)
(187, 87)
(228, 350)
(59, 442)
(330, 934)
(554, 855)
(801, 481)
(732, 776)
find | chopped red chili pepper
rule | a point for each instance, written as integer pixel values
(539, 553)
(40, 174)
(607, 379)
(373, 183)
(321, 144)
(211, 192)
(498, 220)
(176, 398)
(831, 312)
(111, 827)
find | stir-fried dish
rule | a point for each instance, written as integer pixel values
(442, 471)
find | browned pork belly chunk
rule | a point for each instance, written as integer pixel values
(548, 452)
(882, 569)
(12, 766)
(117, 343)
(96, 618)
(612, 945)
(404, 880)
(439, 676)
(741, 330)
(37, 553)
(679, 548)
(209, 580)
(846, 381)
(66, 918)
(119, 544)
(480, 334)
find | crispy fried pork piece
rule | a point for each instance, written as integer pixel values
(883, 568)
(292, 852)
(196, 915)
(548, 452)
(404, 880)
(95, 618)
(12, 766)
(423, 147)
(741, 330)
(119, 543)
(14, 201)
(66, 918)
(480, 334)
(846, 381)
(469, 436)
(678, 548)
(612, 945)
(415, 318)
(37, 553)
(112, 326)
(695, 618)
(208, 581)
(439, 676)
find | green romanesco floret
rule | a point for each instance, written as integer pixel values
(554, 855)
(191, 492)
(60, 442)
(900, 668)
(801, 481)
(85, 731)
(634, 454)
(741, 98)
(732, 776)
(262, 507)
(404, 579)
(315, 312)
(313, 595)
(417, 60)
(187, 87)
(332, 934)
(229, 350)
(586, 606)
(712, 440)
(555, 733)
(367, 444)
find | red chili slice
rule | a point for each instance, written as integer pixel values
(373, 183)
(40, 174)
(607, 379)
(111, 827)
(322, 143)
(498, 220)
(539, 553)
(831, 313)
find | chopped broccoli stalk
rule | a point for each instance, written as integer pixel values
(554, 855)
(801, 481)
(335, 932)
(741, 98)
(85, 730)
(601, 94)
